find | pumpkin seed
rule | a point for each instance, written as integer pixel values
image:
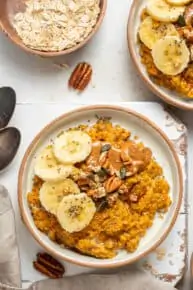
(105, 148)
(102, 205)
(102, 172)
(103, 118)
(123, 172)
(181, 21)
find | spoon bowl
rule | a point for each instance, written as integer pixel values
(9, 143)
(7, 105)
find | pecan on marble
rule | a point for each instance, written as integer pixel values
(80, 77)
(49, 266)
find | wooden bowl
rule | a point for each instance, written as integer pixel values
(167, 95)
(10, 7)
(151, 135)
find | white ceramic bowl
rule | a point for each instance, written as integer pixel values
(167, 95)
(151, 135)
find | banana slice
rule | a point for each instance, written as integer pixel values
(149, 34)
(75, 212)
(72, 147)
(51, 193)
(178, 2)
(171, 55)
(162, 11)
(48, 168)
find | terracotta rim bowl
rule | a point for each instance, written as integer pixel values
(152, 135)
(10, 7)
(169, 96)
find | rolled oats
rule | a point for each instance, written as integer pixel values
(49, 25)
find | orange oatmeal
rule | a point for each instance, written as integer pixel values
(166, 45)
(126, 186)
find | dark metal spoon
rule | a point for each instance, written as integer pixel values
(9, 143)
(7, 105)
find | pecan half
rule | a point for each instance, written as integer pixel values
(81, 76)
(112, 184)
(48, 266)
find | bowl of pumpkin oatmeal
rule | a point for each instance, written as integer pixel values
(100, 186)
(160, 41)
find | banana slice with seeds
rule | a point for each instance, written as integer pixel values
(72, 147)
(171, 55)
(162, 11)
(51, 194)
(75, 212)
(48, 168)
(150, 32)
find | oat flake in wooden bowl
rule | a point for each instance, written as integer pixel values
(56, 25)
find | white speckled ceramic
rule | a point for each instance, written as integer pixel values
(168, 96)
(151, 135)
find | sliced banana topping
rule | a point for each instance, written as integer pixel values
(72, 147)
(48, 168)
(178, 2)
(75, 212)
(171, 55)
(149, 33)
(162, 11)
(51, 193)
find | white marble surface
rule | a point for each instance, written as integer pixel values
(37, 80)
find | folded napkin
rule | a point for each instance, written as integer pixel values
(10, 275)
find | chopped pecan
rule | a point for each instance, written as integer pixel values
(131, 170)
(123, 189)
(83, 181)
(189, 15)
(97, 193)
(133, 198)
(188, 34)
(48, 266)
(112, 184)
(112, 198)
(81, 76)
(86, 183)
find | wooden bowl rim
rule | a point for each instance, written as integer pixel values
(63, 52)
(47, 128)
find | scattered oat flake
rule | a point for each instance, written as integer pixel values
(61, 65)
(170, 255)
(160, 253)
(49, 25)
